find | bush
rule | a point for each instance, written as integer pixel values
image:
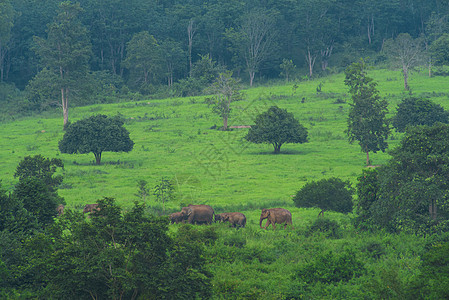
(329, 228)
(326, 194)
(330, 268)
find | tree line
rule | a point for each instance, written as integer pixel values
(90, 50)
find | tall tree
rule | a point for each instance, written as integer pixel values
(367, 121)
(255, 41)
(406, 53)
(144, 57)
(66, 51)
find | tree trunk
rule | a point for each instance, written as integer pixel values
(65, 106)
(251, 77)
(225, 123)
(405, 73)
(97, 158)
(277, 148)
(367, 158)
(433, 210)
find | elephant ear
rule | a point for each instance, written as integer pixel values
(189, 211)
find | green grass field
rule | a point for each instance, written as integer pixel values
(173, 138)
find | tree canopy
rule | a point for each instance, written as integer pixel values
(410, 193)
(96, 134)
(276, 126)
(414, 111)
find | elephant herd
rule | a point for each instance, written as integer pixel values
(204, 214)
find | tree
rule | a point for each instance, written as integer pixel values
(164, 191)
(367, 121)
(119, 255)
(7, 14)
(276, 126)
(287, 67)
(414, 111)
(226, 90)
(406, 53)
(255, 41)
(66, 51)
(411, 190)
(174, 59)
(96, 134)
(144, 57)
(439, 50)
(37, 187)
(327, 194)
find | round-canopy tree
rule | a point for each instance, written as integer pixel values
(277, 127)
(414, 111)
(96, 134)
(327, 194)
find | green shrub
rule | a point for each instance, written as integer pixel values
(330, 268)
(329, 228)
(327, 194)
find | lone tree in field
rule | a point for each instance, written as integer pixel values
(226, 89)
(277, 127)
(414, 111)
(96, 134)
(327, 194)
(367, 121)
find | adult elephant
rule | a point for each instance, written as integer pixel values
(60, 209)
(235, 218)
(176, 217)
(198, 214)
(275, 216)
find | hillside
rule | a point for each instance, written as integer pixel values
(173, 138)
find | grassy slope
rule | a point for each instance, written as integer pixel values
(173, 139)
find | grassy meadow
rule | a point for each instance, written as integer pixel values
(174, 139)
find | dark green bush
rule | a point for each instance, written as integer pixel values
(374, 249)
(329, 228)
(327, 194)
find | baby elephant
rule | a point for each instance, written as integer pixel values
(176, 217)
(235, 218)
(219, 217)
(91, 208)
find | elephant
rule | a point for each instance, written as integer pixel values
(235, 218)
(176, 217)
(276, 215)
(198, 214)
(91, 208)
(60, 209)
(219, 217)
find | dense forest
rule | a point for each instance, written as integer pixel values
(94, 51)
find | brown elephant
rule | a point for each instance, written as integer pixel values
(276, 215)
(60, 209)
(219, 217)
(91, 208)
(176, 217)
(235, 218)
(198, 214)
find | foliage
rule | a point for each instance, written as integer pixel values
(367, 121)
(118, 255)
(414, 111)
(331, 268)
(439, 50)
(327, 194)
(164, 191)
(287, 67)
(276, 126)
(143, 191)
(96, 134)
(41, 168)
(412, 187)
(367, 188)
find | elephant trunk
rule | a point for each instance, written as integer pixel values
(260, 223)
